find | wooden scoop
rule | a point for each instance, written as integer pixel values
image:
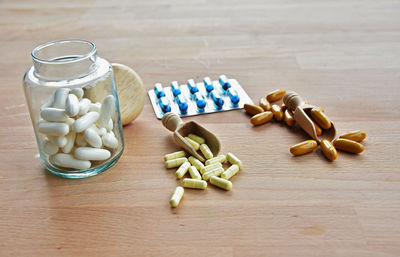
(174, 123)
(302, 116)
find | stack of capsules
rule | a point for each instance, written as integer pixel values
(200, 173)
(264, 112)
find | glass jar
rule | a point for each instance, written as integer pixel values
(73, 104)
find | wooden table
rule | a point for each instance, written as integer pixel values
(342, 55)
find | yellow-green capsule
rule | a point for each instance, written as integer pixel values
(232, 159)
(220, 158)
(215, 172)
(174, 155)
(175, 162)
(181, 171)
(194, 173)
(197, 138)
(206, 151)
(206, 169)
(176, 196)
(194, 183)
(196, 162)
(221, 183)
(193, 143)
(230, 172)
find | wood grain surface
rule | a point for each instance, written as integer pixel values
(343, 55)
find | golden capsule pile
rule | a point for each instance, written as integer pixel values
(267, 109)
(199, 174)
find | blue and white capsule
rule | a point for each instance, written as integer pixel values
(159, 90)
(200, 101)
(175, 88)
(164, 104)
(208, 84)
(233, 95)
(182, 103)
(223, 80)
(219, 102)
(192, 86)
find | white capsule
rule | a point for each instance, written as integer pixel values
(49, 103)
(72, 105)
(95, 107)
(68, 161)
(70, 142)
(49, 147)
(84, 105)
(110, 125)
(59, 97)
(70, 122)
(92, 154)
(53, 128)
(80, 140)
(78, 92)
(92, 138)
(107, 108)
(60, 141)
(85, 121)
(53, 114)
(110, 141)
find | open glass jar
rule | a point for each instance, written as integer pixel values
(73, 104)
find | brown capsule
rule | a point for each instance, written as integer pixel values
(303, 147)
(357, 135)
(318, 130)
(320, 118)
(283, 107)
(277, 111)
(348, 145)
(328, 150)
(265, 104)
(253, 109)
(289, 120)
(261, 118)
(276, 95)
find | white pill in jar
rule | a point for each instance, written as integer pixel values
(107, 107)
(72, 105)
(70, 142)
(92, 154)
(92, 138)
(49, 147)
(85, 121)
(53, 128)
(60, 141)
(68, 161)
(60, 96)
(84, 105)
(53, 114)
(110, 141)
(78, 92)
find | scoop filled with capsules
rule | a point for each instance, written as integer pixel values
(181, 131)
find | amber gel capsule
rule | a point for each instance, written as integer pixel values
(328, 150)
(303, 147)
(253, 109)
(261, 118)
(264, 104)
(318, 130)
(276, 95)
(289, 120)
(357, 135)
(176, 196)
(348, 145)
(320, 118)
(277, 111)
(283, 107)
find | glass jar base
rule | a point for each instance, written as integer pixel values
(86, 174)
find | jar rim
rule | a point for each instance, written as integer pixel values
(78, 58)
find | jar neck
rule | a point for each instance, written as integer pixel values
(64, 60)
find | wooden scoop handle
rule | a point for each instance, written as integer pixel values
(292, 100)
(171, 121)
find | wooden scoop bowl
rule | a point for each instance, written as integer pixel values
(301, 113)
(175, 124)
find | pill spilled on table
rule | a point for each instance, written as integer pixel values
(200, 173)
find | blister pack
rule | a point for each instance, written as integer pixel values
(198, 98)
